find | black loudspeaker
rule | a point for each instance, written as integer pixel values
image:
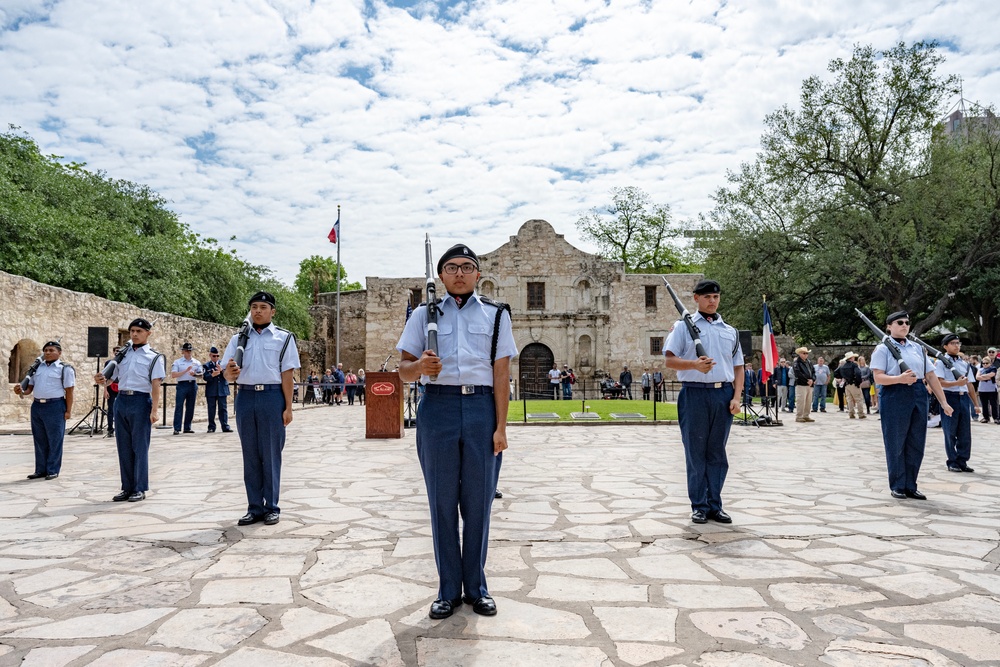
(97, 341)
(746, 343)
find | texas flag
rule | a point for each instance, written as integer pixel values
(769, 347)
(335, 232)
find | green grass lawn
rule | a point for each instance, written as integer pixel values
(664, 411)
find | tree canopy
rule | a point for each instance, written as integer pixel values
(319, 274)
(66, 226)
(860, 198)
(635, 231)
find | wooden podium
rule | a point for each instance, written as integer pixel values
(383, 405)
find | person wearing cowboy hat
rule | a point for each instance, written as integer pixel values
(805, 378)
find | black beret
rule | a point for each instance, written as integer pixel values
(141, 323)
(459, 250)
(263, 297)
(213, 350)
(898, 315)
(949, 338)
(52, 343)
(187, 347)
(707, 287)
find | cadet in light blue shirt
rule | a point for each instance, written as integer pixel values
(902, 401)
(461, 424)
(711, 387)
(52, 384)
(961, 395)
(263, 406)
(139, 376)
(185, 371)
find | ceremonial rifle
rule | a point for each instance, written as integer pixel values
(688, 321)
(432, 309)
(940, 356)
(886, 340)
(242, 338)
(33, 369)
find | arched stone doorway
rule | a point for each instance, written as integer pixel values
(21, 358)
(535, 361)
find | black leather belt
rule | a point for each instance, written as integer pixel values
(458, 389)
(259, 387)
(48, 400)
(706, 385)
(129, 392)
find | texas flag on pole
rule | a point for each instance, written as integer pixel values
(334, 234)
(769, 347)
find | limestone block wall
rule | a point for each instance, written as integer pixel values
(34, 313)
(385, 317)
(353, 307)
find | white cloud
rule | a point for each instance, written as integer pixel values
(463, 119)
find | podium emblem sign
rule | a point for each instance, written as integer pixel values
(383, 389)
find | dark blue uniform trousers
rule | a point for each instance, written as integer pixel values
(132, 429)
(262, 437)
(903, 409)
(957, 429)
(705, 421)
(455, 448)
(220, 403)
(48, 428)
(187, 392)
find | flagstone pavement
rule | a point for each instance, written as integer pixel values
(593, 560)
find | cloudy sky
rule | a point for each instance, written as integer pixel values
(256, 118)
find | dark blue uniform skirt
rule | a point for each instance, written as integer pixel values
(262, 437)
(455, 448)
(903, 409)
(132, 430)
(705, 421)
(958, 429)
(48, 429)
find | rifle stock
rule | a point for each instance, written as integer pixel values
(688, 321)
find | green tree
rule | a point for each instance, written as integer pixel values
(66, 226)
(319, 274)
(635, 231)
(854, 202)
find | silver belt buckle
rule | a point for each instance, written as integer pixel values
(42, 400)
(468, 389)
(258, 387)
(717, 385)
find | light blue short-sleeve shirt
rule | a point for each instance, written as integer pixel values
(722, 344)
(262, 360)
(50, 380)
(183, 364)
(912, 354)
(465, 336)
(962, 367)
(133, 373)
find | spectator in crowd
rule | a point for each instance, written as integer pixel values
(791, 386)
(572, 381)
(781, 383)
(326, 383)
(749, 382)
(657, 385)
(338, 384)
(351, 381)
(805, 379)
(625, 378)
(839, 384)
(565, 379)
(361, 386)
(866, 383)
(850, 375)
(111, 393)
(647, 383)
(766, 389)
(185, 371)
(821, 374)
(313, 388)
(555, 380)
(975, 364)
(987, 377)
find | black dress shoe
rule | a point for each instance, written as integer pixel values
(211, 430)
(444, 608)
(177, 432)
(916, 495)
(497, 494)
(248, 519)
(699, 517)
(955, 469)
(36, 475)
(271, 518)
(720, 516)
(897, 494)
(137, 496)
(188, 430)
(968, 469)
(52, 476)
(121, 497)
(484, 606)
(227, 430)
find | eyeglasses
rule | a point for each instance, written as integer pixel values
(213, 355)
(452, 269)
(903, 322)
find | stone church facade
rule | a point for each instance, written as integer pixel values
(569, 307)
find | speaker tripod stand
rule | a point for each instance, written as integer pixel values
(94, 420)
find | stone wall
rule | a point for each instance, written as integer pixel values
(34, 313)
(352, 330)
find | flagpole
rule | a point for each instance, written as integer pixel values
(337, 352)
